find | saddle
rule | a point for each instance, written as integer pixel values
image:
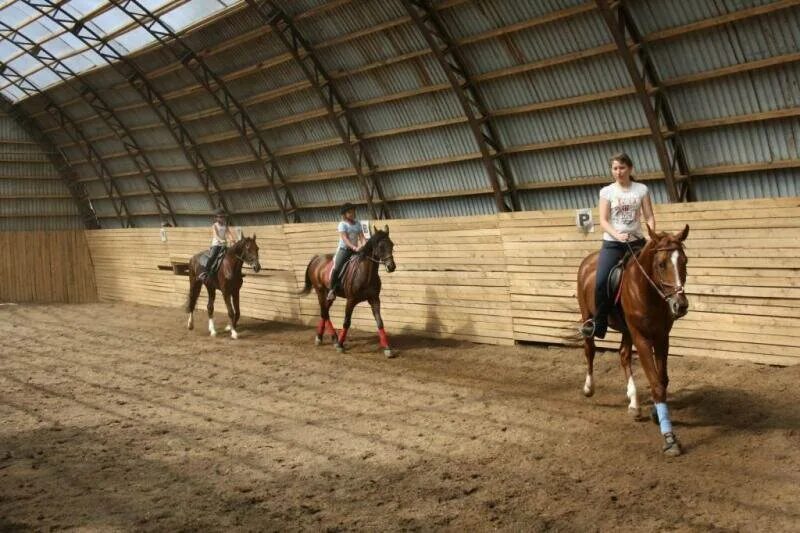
(615, 277)
(204, 257)
(346, 271)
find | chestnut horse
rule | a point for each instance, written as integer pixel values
(360, 283)
(652, 297)
(228, 280)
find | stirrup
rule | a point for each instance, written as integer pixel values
(587, 329)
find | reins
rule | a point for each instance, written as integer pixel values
(676, 289)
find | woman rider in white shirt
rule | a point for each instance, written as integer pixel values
(351, 240)
(623, 204)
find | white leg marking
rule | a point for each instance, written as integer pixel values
(234, 335)
(228, 327)
(190, 323)
(211, 329)
(588, 386)
(674, 258)
(632, 396)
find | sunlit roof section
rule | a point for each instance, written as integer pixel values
(103, 17)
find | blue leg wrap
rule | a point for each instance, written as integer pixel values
(663, 418)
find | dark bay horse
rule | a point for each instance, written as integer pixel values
(228, 280)
(361, 282)
(652, 297)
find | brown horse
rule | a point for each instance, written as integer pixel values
(360, 283)
(652, 298)
(228, 280)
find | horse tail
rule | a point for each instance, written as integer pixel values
(307, 287)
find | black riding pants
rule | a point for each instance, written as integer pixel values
(213, 255)
(339, 260)
(610, 254)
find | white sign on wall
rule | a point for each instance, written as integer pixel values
(583, 220)
(365, 227)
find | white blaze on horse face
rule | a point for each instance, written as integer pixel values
(674, 258)
(632, 395)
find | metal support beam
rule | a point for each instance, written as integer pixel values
(68, 126)
(131, 72)
(216, 87)
(57, 159)
(90, 95)
(660, 118)
(336, 109)
(448, 55)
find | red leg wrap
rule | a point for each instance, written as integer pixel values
(321, 326)
(384, 340)
(342, 335)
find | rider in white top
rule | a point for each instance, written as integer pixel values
(622, 206)
(221, 235)
(351, 240)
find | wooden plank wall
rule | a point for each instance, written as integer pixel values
(46, 267)
(506, 278)
(743, 284)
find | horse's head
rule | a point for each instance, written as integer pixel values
(669, 269)
(381, 248)
(248, 252)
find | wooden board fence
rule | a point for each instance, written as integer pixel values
(506, 278)
(46, 267)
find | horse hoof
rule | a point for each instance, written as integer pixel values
(340, 348)
(212, 333)
(389, 354)
(654, 415)
(234, 335)
(672, 448)
(634, 412)
(317, 341)
(588, 392)
(190, 327)
(227, 328)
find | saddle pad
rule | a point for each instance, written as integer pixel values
(345, 272)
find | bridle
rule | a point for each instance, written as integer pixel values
(381, 260)
(662, 286)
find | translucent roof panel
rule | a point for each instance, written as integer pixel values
(104, 18)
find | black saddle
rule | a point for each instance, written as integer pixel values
(615, 276)
(204, 257)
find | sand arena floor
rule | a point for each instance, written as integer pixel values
(115, 417)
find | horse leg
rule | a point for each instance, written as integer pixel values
(647, 358)
(375, 304)
(589, 350)
(212, 293)
(625, 357)
(348, 313)
(324, 317)
(194, 292)
(671, 445)
(228, 298)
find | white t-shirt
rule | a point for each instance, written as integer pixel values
(353, 231)
(220, 232)
(626, 206)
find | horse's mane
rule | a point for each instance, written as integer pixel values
(238, 245)
(373, 241)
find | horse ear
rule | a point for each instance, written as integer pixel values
(650, 232)
(683, 234)
(386, 228)
(375, 229)
(254, 236)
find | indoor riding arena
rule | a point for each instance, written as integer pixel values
(470, 156)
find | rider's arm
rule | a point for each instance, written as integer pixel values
(229, 235)
(647, 212)
(605, 219)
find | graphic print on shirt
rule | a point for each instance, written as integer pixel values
(624, 208)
